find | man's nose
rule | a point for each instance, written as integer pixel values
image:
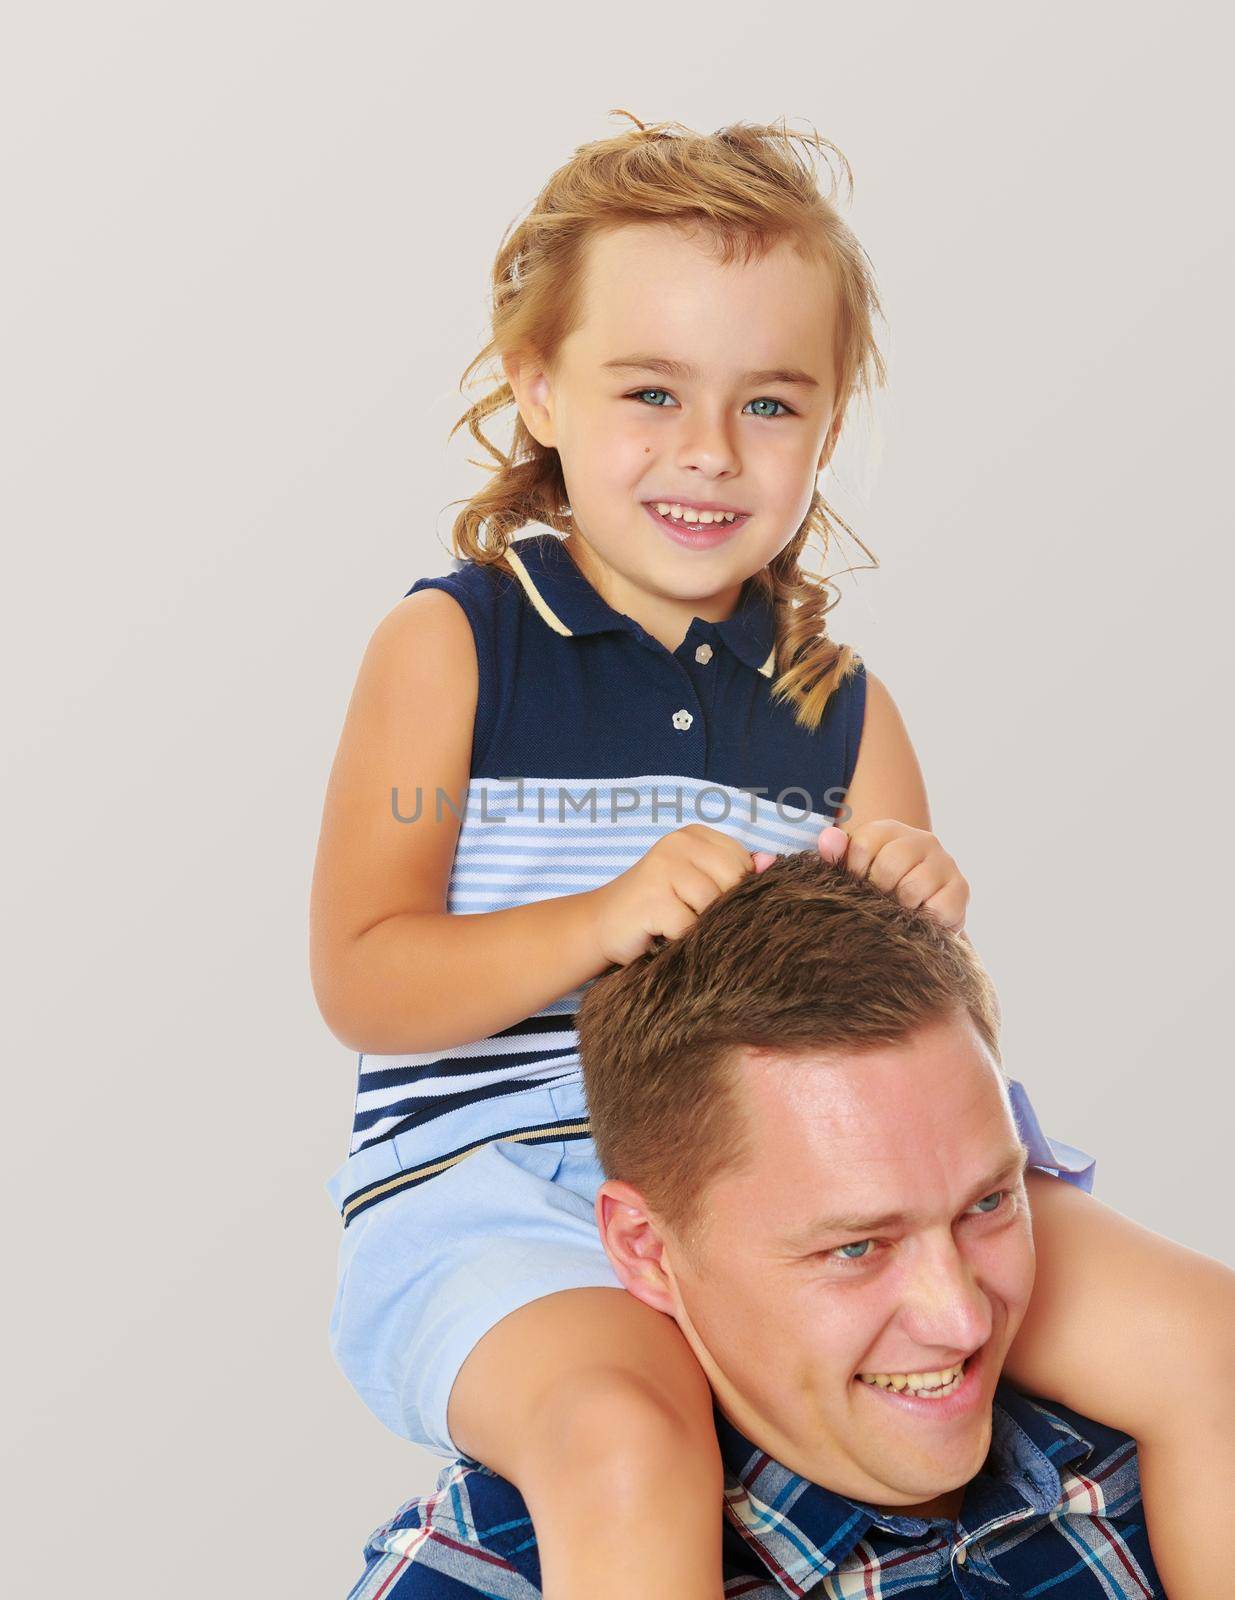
(944, 1306)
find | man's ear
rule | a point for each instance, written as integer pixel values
(634, 1244)
(533, 391)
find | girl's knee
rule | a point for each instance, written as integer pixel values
(615, 1436)
(583, 1376)
(623, 1401)
(628, 1427)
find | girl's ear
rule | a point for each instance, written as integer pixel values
(531, 387)
(633, 1244)
(829, 444)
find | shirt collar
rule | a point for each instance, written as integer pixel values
(801, 1532)
(566, 602)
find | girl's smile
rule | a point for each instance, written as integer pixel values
(695, 535)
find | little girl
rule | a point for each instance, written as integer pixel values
(567, 747)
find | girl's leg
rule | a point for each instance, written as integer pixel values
(594, 1406)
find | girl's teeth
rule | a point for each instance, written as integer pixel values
(684, 514)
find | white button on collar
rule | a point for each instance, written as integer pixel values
(682, 720)
(961, 1556)
(703, 654)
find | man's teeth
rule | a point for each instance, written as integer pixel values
(685, 514)
(930, 1385)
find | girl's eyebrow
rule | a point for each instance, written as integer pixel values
(682, 369)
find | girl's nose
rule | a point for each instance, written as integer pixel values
(708, 447)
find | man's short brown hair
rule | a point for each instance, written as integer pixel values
(800, 958)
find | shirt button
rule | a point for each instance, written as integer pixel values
(961, 1556)
(682, 720)
(703, 654)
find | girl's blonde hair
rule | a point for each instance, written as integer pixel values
(744, 188)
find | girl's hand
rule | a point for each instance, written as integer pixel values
(913, 862)
(666, 889)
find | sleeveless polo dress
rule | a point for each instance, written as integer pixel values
(469, 1187)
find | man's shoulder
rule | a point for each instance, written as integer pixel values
(473, 1534)
(1097, 1465)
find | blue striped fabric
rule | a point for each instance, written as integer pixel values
(1055, 1512)
(592, 741)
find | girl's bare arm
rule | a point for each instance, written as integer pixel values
(393, 972)
(887, 780)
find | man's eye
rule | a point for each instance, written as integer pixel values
(991, 1202)
(855, 1252)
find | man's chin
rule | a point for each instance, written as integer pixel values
(923, 1456)
(892, 1469)
(913, 1480)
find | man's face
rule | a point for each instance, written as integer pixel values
(630, 436)
(879, 1228)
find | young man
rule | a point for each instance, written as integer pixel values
(815, 1169)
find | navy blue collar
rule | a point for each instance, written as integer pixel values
(566, 602)
(802, 1532)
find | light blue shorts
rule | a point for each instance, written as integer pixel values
(451, 1226)
(426, 1269)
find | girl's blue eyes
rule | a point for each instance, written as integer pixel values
(863, 1249)
(762, 400)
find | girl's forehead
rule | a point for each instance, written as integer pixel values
(615, 259)
(672, 303)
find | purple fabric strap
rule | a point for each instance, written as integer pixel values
(1066, 1162)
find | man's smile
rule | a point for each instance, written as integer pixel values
(931, 1385)
(942, 1395)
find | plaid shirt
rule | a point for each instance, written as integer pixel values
(1055, 1512)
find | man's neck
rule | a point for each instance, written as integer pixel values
(943, 1505)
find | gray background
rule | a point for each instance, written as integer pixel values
(247, 259)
